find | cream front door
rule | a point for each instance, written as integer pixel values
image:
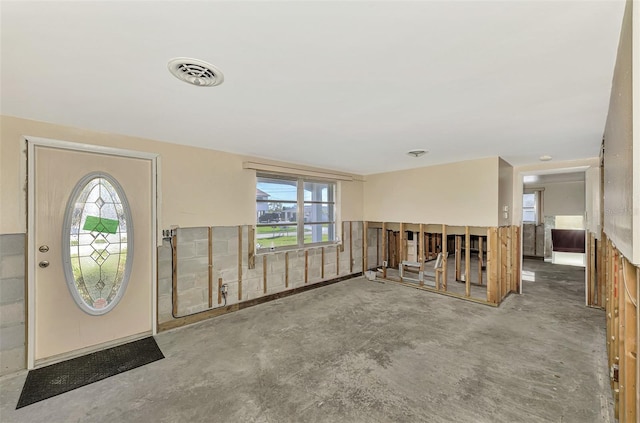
(92, 249)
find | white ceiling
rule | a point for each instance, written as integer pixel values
(349, 85)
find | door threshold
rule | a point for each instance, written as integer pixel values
(88, 350)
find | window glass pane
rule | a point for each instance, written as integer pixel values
(318, 191)
(277, 189)
(529, 200)
(276, 200)
(319, 233)
(318, 212)
(529, 215)
(97, 256)
(268, 236)
(275, 212)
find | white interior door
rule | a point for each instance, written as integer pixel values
(91, 250)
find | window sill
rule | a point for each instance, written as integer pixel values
(267, 251)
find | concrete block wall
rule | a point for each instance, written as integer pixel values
(192, 252)
(12, 303)
(192, 267)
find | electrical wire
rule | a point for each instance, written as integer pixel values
(624, 281)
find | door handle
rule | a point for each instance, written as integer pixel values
(43, 248)
(43, 264)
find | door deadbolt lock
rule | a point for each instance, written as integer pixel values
(43, 264)
(43, 248)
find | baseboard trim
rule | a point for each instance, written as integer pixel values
(208, 314)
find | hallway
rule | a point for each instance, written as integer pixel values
(361, 351)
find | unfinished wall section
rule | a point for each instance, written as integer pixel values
(208, 271)
(622, 280)
(480, 264)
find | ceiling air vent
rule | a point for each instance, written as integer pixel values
(195, 72)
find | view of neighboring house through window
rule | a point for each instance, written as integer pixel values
(293, 212)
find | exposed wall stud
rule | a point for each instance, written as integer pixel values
(286, 269)
(306, 266)
(445, 255)
(467, 262)
(252, 247)
(264, 273)
(174, 275)
(239, 263)
(480, 258)
(210, 230)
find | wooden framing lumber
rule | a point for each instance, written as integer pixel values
(600, 273)
(492, 265)
(467, 262)
(591, 270)
(458, 253)
(445, 254)
(264, 274)
(239, 263)
(378, 231)
(286, 269)
(503, 263)
(401, 250)
(252, 247)
(509, 259)
(384, 250)
(517, 258)
(210, 266)
(629, 316)
(421, 254)
(174, 275)
(350, 230)
(434, 249)
(306, 266)
(480, 258)
(365, 249)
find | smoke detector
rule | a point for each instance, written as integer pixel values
(195, 72)
(417, 153)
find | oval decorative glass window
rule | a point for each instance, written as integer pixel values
(97, 243)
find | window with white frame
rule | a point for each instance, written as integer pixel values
(532, 206)
(293, 212)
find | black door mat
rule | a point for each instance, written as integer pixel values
(59, 378)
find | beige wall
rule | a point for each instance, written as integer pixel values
(199, 187)
(351, 199)
(618, 161)
(463, 193)
(505, 193)
(592, 201)
(563, 199)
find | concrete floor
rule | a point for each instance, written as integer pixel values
(361, 351)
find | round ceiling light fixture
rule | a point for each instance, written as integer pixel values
(195, 72)
(545, 158)
(417, 153)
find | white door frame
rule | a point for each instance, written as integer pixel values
(32, 143)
